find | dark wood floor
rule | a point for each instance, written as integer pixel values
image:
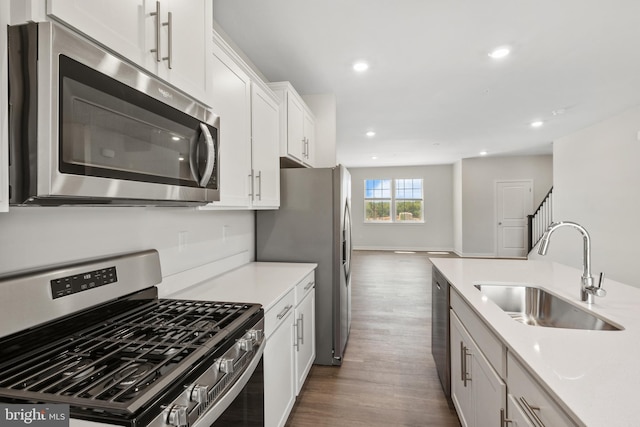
(388, 376)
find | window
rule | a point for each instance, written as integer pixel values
(393, 200)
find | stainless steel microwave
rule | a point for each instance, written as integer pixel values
(86, 127)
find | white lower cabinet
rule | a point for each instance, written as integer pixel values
(489, 385)
(279, 389)
(290, 350)
(529, 402)
(477, 391)
(305, 329)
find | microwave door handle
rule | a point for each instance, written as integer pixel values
(211, 156)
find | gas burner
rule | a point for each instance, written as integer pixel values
(206, 324)
(77, 369)
(131, 374)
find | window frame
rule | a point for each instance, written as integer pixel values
(393, 201)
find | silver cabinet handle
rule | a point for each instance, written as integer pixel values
(532, 411)
(158, 27)
(464, 352)
(301, 327)
(169, 24)
(284, 312)
(251, 184)
(259, 178)
(304, 147)
(309, 285)
(211, 155)
(503, 419)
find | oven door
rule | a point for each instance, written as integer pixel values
(243, 404)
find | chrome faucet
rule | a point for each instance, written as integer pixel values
(588, 289)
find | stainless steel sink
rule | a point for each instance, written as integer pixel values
(537, 307)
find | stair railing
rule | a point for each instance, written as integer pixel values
(540, 220)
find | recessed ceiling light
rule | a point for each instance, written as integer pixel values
(500, 52)
(483, 153)
(360, 66)
(537, 124)
(371, 133)
(374, 157)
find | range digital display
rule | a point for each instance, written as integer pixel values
(70, 285)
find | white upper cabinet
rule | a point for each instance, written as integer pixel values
(297, 126)
(265, 131)
(249, 133)
(231, 100)
(172, 44)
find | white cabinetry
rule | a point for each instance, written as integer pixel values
(231, 100)
(477, 388)
(528, 402)
(265, 134)
(172, 44)
(249, 133)
(290, 350)
(305, 330)
(482, 371)
(279, 388)
(297, 125)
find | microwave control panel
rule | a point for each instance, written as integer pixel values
(70, 285)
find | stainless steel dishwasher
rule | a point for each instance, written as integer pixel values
(440, 330)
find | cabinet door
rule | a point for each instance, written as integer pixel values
(461, 373)
(295, 128)
(265, 159)
(190, 38)
(305, 337)
(231, 93)
(279, 391)
(310, 136)
(516, 414)
(489, 391)
(120, 25)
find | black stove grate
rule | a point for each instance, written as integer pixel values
(121, 363)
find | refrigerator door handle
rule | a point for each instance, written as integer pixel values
(347, 246)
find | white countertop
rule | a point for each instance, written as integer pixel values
(595, 373)
(257, 282)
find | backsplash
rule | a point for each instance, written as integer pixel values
(185, 237)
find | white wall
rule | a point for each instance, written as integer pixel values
(324, 110)
(37, 236)
(596, 174)
(479, 176)
(436, 233)
(457, 207)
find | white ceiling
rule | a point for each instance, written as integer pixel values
(432, 94)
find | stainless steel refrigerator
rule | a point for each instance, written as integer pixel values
(313, 224)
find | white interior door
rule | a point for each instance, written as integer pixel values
(514, 201)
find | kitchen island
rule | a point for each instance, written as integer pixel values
(591, 375)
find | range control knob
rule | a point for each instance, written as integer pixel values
(177, 416)
(199, 393)
(226, 366)
(255, 334)
(245, 344)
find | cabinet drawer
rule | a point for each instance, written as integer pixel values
(488, 343)
(304, 287)
(532, 399)
(276, 314)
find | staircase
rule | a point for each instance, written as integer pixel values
(540, 220)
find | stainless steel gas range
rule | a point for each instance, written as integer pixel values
(95, 336)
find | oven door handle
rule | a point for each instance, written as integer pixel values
(218, 409)
(211, 155)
